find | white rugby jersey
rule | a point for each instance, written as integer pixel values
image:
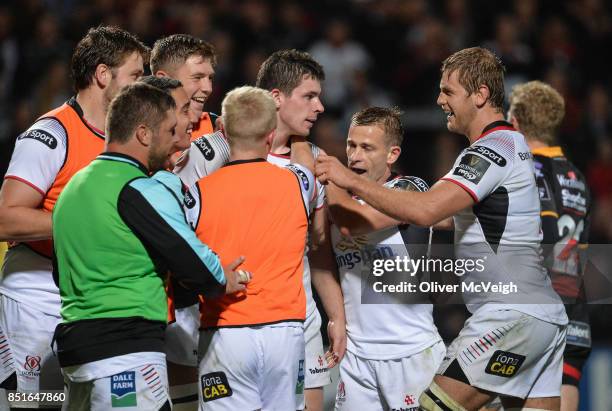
(205, 155)
(39, 155)
(316, 203)
(385, 326)
(503, 227)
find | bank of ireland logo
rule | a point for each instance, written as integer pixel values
(123, 389)
(299, 386)
(32, 363)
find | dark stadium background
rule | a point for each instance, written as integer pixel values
(385, 52)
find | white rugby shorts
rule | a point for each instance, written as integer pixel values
(510, 353)
(248, 368)
(387, 384)
(25, 347)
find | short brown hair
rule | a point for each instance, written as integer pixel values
(249, 114)
(103, 45)
(163, 83)
(285, 70)
(136, 104)
(388, 118)
(475, 67)
(539, 109)
(170, 52)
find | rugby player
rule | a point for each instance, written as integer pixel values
(191, 61)
(113, 248)
(252, 345)
(393, 348)
(181, 332)
(512, 345)
(46, 156)
(294, 78)
(537, 110)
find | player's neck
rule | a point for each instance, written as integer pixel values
(280, 144)
(94, 107)
(132, 148)
(535, 144)
(238, 155)
(383, 179)
(483, 118)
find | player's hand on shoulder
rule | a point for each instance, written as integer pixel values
(236, 280)
(329, 168)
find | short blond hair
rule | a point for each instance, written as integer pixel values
(539, 110)
(477, 66)
(249, 114)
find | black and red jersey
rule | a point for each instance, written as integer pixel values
(565, 210)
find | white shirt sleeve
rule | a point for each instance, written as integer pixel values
(307, 183)
(205, 155)
(480, 169)
(40, 153)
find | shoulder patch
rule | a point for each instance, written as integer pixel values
(472, 168)
(301, 174)
(489, 154)
(408, 183)
(40, 135)
(188, 200)
(205, 148)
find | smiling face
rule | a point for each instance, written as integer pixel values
(183, 121)
(299, 110)
(196, 75)
(457, 104)
(370, 153)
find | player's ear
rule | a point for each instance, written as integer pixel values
(161, 73)
(393, 154)
(103, 75)
(144, 135)
(277, 96)
(270, 139)
(514, 121)
(481, 96)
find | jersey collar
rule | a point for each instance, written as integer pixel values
(552, 151)
(72, 102)
(252, 160)
(496, 126)
(124, 158)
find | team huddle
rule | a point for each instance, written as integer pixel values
(162, 257)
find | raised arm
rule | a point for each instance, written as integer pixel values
(443, 200)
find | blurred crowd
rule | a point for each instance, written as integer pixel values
(374, 52)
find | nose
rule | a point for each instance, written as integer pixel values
(319, 106)
(440, 101)
(354, 155)
(206, 86)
